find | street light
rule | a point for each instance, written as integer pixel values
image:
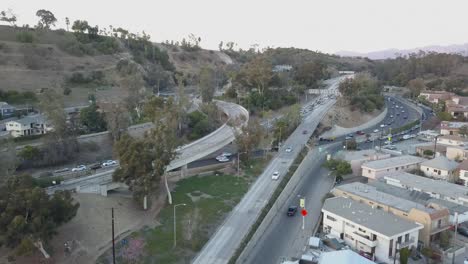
(175, 237)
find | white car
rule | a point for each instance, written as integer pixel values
(275, 175)
(79, 168)
(222, 159)
(226, 154)
(108, 163)
(288, 149)
(376, 131)
(382, 125)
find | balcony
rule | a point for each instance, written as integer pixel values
(439, 229)
(364, 239)
(406, 243)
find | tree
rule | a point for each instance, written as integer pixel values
(135, 88)
(67, 22)
(249, 138)
(351, 144)
(310, 73)
(143, 161)
(46, 19)
(416, 86)
(117, 119)
(404, 255)
(9, 17)
(92, 119)
(258, 74)
(463, 131)
(220, 46)
(30, 153)
(207, 84)
(444, 240)
(80, 26)
(29, 216)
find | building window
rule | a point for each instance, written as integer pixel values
(350, 225)
(405, 214)
(379, 207)
(427, 169)
(399, 240)
(368, 171)
(331, 218)
(439, 223)
(406, 237)
(390, 248)
(362, 230)
(396, 168)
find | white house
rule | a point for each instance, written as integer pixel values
(29, 125)
(439, 167)
(463, 172)
(378, 168)
(370, 230)
(451, 140)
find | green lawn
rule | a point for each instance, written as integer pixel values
(208, 201)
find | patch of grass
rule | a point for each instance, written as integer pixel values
(196, 221)
(255, 167)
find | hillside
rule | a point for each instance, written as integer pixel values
(58, 60)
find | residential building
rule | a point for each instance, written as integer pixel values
(440, 168)
(379, 168)
(457, 111)
(456, 210)
(346, 256)
(462, 170)
(357, 158)
(457, 153)
(451, 128)
(459, 100)
(6, 110)
(29, 125)
(436, 97)
(370, 230)
(452, 140)
(422, 149)
(435, 188)
(433, 217)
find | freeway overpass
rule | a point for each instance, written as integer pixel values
(102, 182)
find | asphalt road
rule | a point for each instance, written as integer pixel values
(285, 237)
(229, 235)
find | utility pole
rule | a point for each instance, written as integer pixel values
(435, 146)
(455, 236)
(113, 239)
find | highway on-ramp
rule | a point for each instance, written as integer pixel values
(230, 234)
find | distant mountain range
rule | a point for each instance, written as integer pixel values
(393, 53)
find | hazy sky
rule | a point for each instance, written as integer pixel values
(325, 25)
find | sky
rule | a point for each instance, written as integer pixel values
(325, 25)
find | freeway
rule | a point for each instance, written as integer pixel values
(284, 237)
(230, 234)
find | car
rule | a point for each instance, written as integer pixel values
(402, 111)
(222, 159)
(348, 138)
(95, 166)
(462, 231)
(226, 154)
(382, 125)
(350, 135)
(291, 210)
(79, 168)
(360, 133)
(376, 131)
(108, 163)
(304, 132)
(275, 175)
(288, 149)
(405, 117)
(366, 255)
(397, 114)
(391, 116)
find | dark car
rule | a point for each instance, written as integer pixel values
(462, 231)
(95, 166)
(360, 133)
(304, 132)
(366, 255)
(292, 210)
(405, 117)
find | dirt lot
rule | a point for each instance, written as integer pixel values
(343, 116)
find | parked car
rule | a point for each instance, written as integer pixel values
(275, 175)
(288, 149)
(292, 210)
(405, 117)
(108, 163)
(226, 154)
(79, 168)
(376, 131)
(304, 132)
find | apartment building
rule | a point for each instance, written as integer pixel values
(436, 96)
(457, 211)
(440, 168)
(435, 188)
(462, 170)
(452, 140)
(456, 152)
(433, 217)
(376, 169)
(29, 125)
(451, 128)
(6, 110)
(357, 158)
(370, 230)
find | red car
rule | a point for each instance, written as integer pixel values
(360, 133)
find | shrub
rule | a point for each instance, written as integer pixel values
(67, 91)
(428, 152)
(25, 37)
(107, 45)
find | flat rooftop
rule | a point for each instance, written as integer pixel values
(371, 193)
(376, 220)
(393, 162)
(418, 197)
(428, 185)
